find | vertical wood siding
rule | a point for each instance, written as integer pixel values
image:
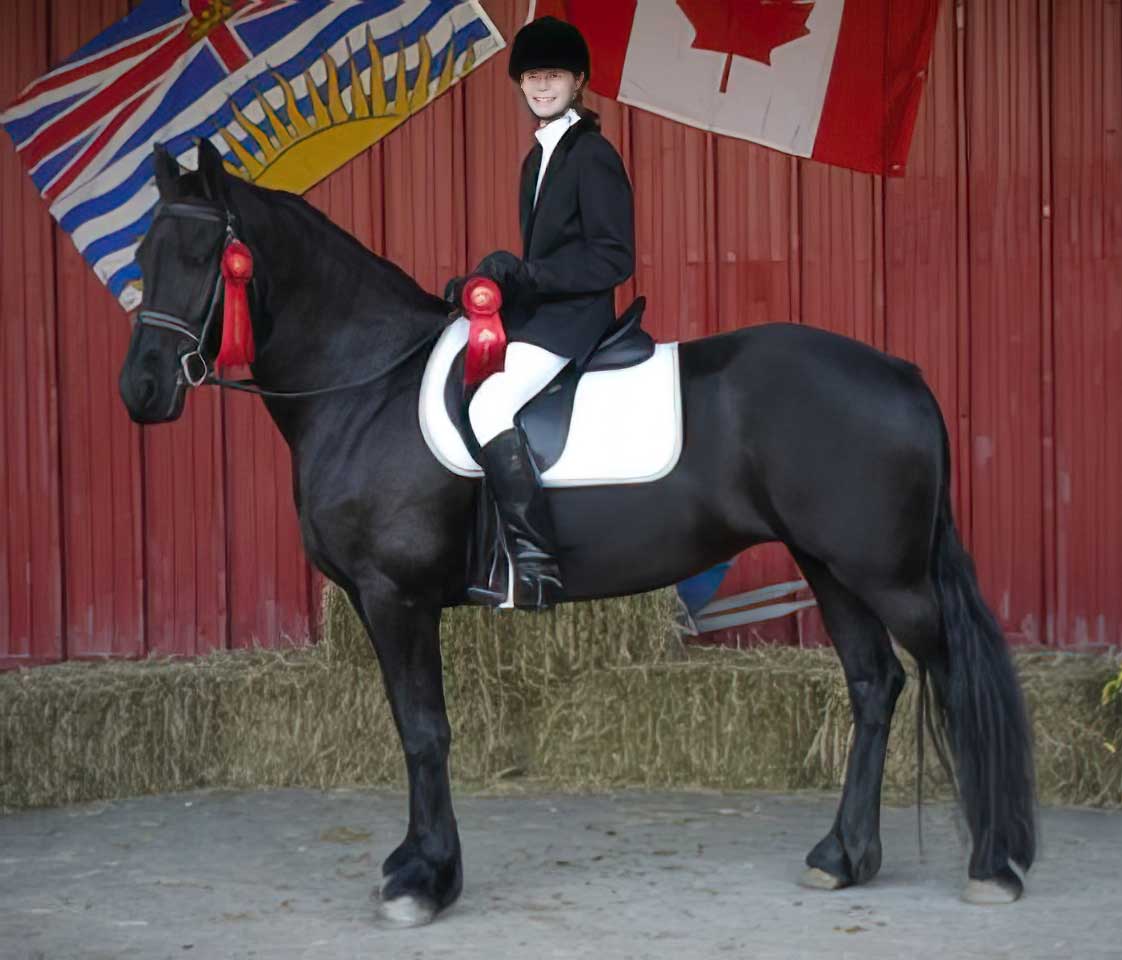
(996, 264)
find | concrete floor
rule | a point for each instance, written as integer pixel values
(288, 873)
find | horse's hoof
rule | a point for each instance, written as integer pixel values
(408, 910)
(989, 892)
(821, 880)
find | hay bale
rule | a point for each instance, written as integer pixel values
(721, 719)
(314, 717)
(1077, 740)
(533, 650)
(82, 731)
(1078, 737)
(779, 718)
(587, 695)
(500, 665)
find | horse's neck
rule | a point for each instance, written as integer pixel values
(329, 312)
(324, 298)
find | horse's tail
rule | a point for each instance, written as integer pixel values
(979, 708)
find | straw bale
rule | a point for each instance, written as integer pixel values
(314, 717)
(584, 696)
(779, 718)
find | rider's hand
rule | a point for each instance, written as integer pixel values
(509, 272)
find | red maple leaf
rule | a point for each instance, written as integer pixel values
(746, 28)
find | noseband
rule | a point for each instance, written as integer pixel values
(186, 328)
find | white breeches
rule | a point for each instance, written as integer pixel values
(527, 368)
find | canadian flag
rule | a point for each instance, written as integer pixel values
(835, 80)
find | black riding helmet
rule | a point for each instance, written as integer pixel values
(549, 42)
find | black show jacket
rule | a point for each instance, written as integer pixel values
(578, 242)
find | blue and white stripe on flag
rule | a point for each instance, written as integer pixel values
(251, 75)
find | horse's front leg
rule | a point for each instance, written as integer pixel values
(425, 873)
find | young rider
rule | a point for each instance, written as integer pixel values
(578, 237)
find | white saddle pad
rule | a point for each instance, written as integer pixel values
(626, 426)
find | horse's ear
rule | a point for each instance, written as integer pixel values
(167, 170)
(211, 172)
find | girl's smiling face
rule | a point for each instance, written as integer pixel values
(549, 90)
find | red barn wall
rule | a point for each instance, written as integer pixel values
(996, 264)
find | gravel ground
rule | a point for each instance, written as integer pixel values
(288, 874)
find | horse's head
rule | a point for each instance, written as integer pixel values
(179, 323)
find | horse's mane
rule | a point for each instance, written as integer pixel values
(385, 273)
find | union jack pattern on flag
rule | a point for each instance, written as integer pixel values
(287, 90)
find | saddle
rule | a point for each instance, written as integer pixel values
(612, 416)
(546, 417)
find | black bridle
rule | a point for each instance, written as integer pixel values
(182, 326)
(187, 328)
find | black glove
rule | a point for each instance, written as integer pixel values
(511, 273)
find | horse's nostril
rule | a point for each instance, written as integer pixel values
(147, 391)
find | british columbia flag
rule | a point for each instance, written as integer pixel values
(175, 70)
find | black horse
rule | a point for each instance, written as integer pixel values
(791, 434)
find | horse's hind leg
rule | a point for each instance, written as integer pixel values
(977, 703)
(851, 852)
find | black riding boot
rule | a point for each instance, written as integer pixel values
(516, 485)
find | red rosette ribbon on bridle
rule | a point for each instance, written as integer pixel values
(237, 328)
(486, 346)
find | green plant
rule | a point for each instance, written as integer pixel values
(1113, 689)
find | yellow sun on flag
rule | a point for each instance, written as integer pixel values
(289, 150)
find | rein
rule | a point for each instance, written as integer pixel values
(176, 324)
(249, 386)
